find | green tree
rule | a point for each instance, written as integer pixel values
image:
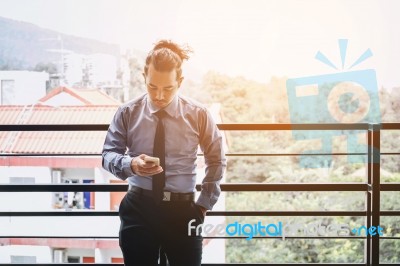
(50, 68)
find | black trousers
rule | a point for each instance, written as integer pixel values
(146, 227)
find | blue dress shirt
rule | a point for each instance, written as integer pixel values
(187, 124)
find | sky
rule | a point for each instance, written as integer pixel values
(250, 38)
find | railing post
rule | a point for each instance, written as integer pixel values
(368, 202)
(374, 166)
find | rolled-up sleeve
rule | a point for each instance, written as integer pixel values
(211, 143)
(114, 157)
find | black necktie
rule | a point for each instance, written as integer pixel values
(159, 151)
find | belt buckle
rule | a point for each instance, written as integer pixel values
(167, 196)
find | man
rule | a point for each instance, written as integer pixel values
(156, 210)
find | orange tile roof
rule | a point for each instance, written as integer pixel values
(86, 96)
(52, 142)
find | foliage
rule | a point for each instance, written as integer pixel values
(245, 101)
(50, 68)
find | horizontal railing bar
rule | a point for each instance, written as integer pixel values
(55, 127)
(333, 187)
(250, 126)
(390, 213)
(292, 154)
(389, 126)
(390, 186)
(244, 237)
(206, 264)
(60, 237)
(224, 187)
(49, 154)
(306, 126)
(200, 154)
(102, 127)
(63, 187)
(70, 212)
(58, 213)
(227, 154)
(284, 126)
(205, 237)
(287, 213)
(295, 187)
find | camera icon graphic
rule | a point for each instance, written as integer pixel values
(345, 97)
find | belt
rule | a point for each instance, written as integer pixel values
(168, 196)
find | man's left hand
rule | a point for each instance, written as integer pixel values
(203, 210)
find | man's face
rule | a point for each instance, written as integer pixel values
(161, 86)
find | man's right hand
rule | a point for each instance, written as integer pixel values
(142, 168)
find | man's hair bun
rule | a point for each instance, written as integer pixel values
(166, 56)
(182, 51)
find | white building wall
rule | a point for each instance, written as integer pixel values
(41, 253)
(105, 255)
(25, 201)
(73, 68)
(45, 254)
(47, 226)
(29, 86)
(78, 173)
(103, 68)
(63, 226)
(102, 200)
(42, 201)
(79, 252)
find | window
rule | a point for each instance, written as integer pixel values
(23, 259)
(7, 92)
(73, 259)
(22, 180)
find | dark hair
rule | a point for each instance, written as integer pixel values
(166, 56)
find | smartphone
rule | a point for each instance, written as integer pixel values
(149, 159)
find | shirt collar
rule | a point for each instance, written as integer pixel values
(171, 109)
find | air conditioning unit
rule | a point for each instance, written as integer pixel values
(58, 197)
(56, 176)
(59, 256)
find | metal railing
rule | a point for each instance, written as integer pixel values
(372, 187)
